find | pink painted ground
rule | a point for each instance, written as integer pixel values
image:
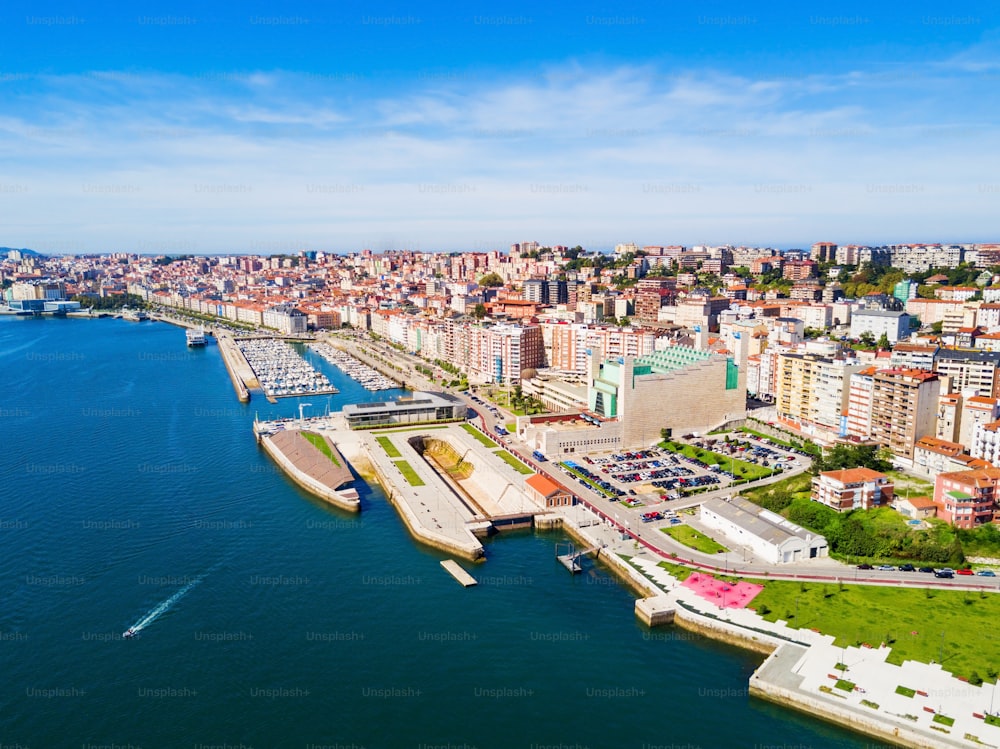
(721, 593)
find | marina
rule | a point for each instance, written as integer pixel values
(362, 373)
(280, 371)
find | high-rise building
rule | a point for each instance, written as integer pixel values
(976, 370)
(904, 408)
(823, 252)
(812, 392)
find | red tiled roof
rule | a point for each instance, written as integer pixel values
(543, 485)
(852, 475)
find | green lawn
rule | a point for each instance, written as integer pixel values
(740, 468)
(390, 449)
(698, 541)
(483, 439)
(679, 571)
(319, 442)
(510, 426)
(408, 473)
(798, 486)
(905, 691)
(513, 462)
(909, 620)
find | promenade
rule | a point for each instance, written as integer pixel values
(914, 704)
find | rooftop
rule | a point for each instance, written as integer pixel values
(853, 475)
(758, 521)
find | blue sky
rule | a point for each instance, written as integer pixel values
(276, 127)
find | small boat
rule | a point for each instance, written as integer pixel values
(130, 632)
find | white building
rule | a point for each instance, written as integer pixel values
(896, 325)
(286, 319)
(986, 443)
(769, 536)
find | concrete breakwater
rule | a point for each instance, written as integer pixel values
(239, 369)
(308, 467)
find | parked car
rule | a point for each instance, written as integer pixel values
(907, 568)
(964, 571)
(865, 566)
(885, 567)
(944, 573)
(986, 573)
(926, 569)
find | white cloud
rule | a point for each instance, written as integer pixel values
(572, 154)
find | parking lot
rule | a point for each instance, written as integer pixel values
(645, 480)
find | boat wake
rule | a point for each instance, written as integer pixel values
(160, 609)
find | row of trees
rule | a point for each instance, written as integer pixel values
(840, 457)
(115, 301)
(855, 534)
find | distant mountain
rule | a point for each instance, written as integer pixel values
(22, 250)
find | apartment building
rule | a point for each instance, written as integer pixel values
(967, 499)
(852, 489)
(976, 370)
(904, 408)
(986, 443)
(812, 392)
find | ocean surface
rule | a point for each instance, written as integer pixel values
(133, 493)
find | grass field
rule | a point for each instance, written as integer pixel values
(799, 486)
(955, 627)
(408, 473)
(482, 438)
(513, 462)
(319, 442)
(913, 485)
(688, 536)
(390, 449)
(739, 468)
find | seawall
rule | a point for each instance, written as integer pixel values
(779, 667)
(471, 550)
(345, 500)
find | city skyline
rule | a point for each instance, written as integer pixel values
(382, 128)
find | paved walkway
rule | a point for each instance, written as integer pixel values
(868, 684)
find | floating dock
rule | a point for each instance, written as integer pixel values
(458, 573)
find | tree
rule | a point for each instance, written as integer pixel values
(479, 311)
(883, 341)
(867, 339)
(491, 280)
